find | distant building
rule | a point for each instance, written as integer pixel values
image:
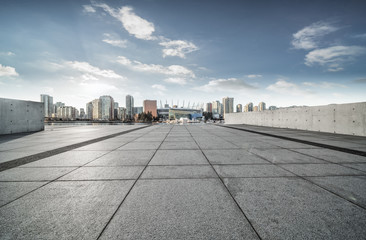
(248, 107)
(255, 108)
(107, 107)
(82, 113)
(48, 105)
(89, 110)
(166, 105)
(121, 114)
(129, 106)
(116, 107)
(239, 108)
(150, 106)
(228, 104)
(209, 107)
(272, 108)
(138, 110)
(97, 109)
(217, 107)
(261, 106)
(57, 105)
(67, 113)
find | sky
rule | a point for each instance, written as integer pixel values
(283, 53)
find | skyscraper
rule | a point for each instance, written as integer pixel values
(48, 104)
(209, 107)
(89, 110)
(107, 107)
(248, 107)
(129, 106)
(261, 106)
(228, 104)
(150, 106)
(239, 108)
(97, 109)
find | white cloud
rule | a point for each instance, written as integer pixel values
(333, 57)
(173, 70)
(254, 76)
(179, 81)
(159, 87)
(288, 88)
(230, 84)
(85, 67)
(134, 25)
(308, 37)
(326, 85)
(7, 54)
(178, 48)
(362, 36)
(115, 42)
(6, 71)
(88, 9)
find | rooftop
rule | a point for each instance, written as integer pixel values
(182, 182)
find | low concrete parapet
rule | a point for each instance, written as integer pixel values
(17, 116)
(334, 118)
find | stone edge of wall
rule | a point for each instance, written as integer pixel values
(349, 118)
(20, 116)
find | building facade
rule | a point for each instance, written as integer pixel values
(228, 104)
(48, 104)
(150, 106)
(129, 106)
(97, 109)
(239, 108)
(261, 106)
(209, 107)
(107, 108)
(89, 110)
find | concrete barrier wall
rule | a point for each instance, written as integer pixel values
(18, 116)
(335, 118)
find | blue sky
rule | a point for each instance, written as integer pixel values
(281, 52)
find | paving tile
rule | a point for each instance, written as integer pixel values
(179, 139)
(67, 159)
(100, 146)
(284, 156)
(179, 172)
(216, 144)
(179, 145)
(104, 173)
(140, 146)
(333, 156)
(8, 155)
(12, 190)
(178, 157)
(179, 209)
(63, 210)
(121, 158)
(358, 166)
(251, 171)
(233, 156)
(34, 174)
(320, 169)
(349, 187)
(292, 208)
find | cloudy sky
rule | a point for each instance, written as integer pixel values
(281, 52)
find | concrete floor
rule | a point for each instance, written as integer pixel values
(182, 182)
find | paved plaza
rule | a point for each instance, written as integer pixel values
(199, 181)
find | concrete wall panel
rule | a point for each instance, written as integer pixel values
(335, 118)
(18, 116)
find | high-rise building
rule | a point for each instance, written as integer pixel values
(129, 106)
(239, 108)
(228, 104)
(217, 107)
(248, 107)
(138, 110)
(121, 113)
(67, 113)
(57, 105)
(97, 109)
(89, 110)
(150, 106)
(116, 106)
(48, 104)
(255, 109)
(82, 113)
(209, 107)
(107, 107)
(261, 106)
(272, 108)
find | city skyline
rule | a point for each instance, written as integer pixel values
(284, 53)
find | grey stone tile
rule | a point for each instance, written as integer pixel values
(290, 144)
(284, 156)
(12, 190)
(179, 139)
(178, 157)
(104, 173)
(120, 158)
(358, 166)
(333, 156)
(34, 174)
(255, 144)
(349, 187)
(251, 171)
(179, 209)
(149, 139)
(292, 208)
(140, 146)
(179, 145)
(101, 146)
(67, 159)
(63, 210)
(179, 172)
(233, 156)
(211, 144)
(320, 169)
